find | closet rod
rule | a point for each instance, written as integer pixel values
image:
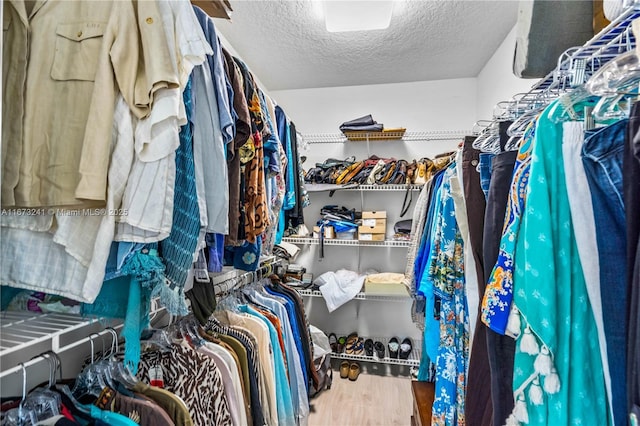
(39, 358)
(233, 283)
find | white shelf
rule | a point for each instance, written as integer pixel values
(444, 135)
(412, 361)
(360, 296)
(325, 187)
(356, 243)
(25, 335)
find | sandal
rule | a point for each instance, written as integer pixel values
(358, 347)
(379, 348)
(394, 345)
(352, 341)
(354, 371)
(405, 348)
(342, 341)
(368, 347)
(333, 342)
(344, 369)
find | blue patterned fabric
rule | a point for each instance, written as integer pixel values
(178, 249)
(446, 273)
(498, 295)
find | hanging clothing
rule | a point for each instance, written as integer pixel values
(192, 377)
(553, 381)
(446, 272)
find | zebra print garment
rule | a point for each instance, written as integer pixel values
(194, 378)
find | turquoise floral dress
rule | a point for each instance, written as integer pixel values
(558, 374)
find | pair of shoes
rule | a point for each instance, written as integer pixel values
(398, 350)
(354, 345)
(371, 347)
(350, 370)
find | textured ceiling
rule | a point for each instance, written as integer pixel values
(287, 46)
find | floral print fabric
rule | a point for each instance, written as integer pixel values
(498, 295)
(446, 272)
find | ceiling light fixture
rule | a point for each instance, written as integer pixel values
(356, 15)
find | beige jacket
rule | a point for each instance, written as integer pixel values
(64, 63)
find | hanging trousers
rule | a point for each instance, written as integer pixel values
(478, 408)
(500, 348)
(631, 188)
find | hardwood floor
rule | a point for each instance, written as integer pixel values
(370, 400)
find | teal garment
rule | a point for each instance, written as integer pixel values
(128, 296)
(109, 417)
(286, 415)
(558, 374)
(426, 287)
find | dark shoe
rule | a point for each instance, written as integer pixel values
(344, 369)
(354, 371)
(342, 341)
(379, 348)
(394, 346)
(333, 342)
(405, 348)
(368, 347)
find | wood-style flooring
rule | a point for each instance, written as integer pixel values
(370, 400)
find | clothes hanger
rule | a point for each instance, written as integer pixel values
(45, 402)
(22, 415)
(119, 371)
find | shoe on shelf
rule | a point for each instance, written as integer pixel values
(368, 347)
(333, 342)
(405, 348)
(380, 350)
(344, 369)
(394, 346)
(358, 347)
(351, 344)
(354, 371)
(342, 341)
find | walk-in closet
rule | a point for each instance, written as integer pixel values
(320, 212)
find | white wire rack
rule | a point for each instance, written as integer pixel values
(310, 187)
(442, 135)
(25, 335)
(337, 242)
(361, 296)
(412, 361)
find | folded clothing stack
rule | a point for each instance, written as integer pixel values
(362, 124)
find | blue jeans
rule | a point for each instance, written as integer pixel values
(602, 155)
(484, 167)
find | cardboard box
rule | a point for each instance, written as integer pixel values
(386, 289)
(380, 229)
(374, 222)
(371, 237)
(382, 214)
(328, 232)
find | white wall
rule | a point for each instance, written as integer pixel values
(496, 81)
(419, 106)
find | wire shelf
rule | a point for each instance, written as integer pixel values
(412, 361)
(361, 296)
(23, 329)
(443, 135)
(321, 187)
(355, 243)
